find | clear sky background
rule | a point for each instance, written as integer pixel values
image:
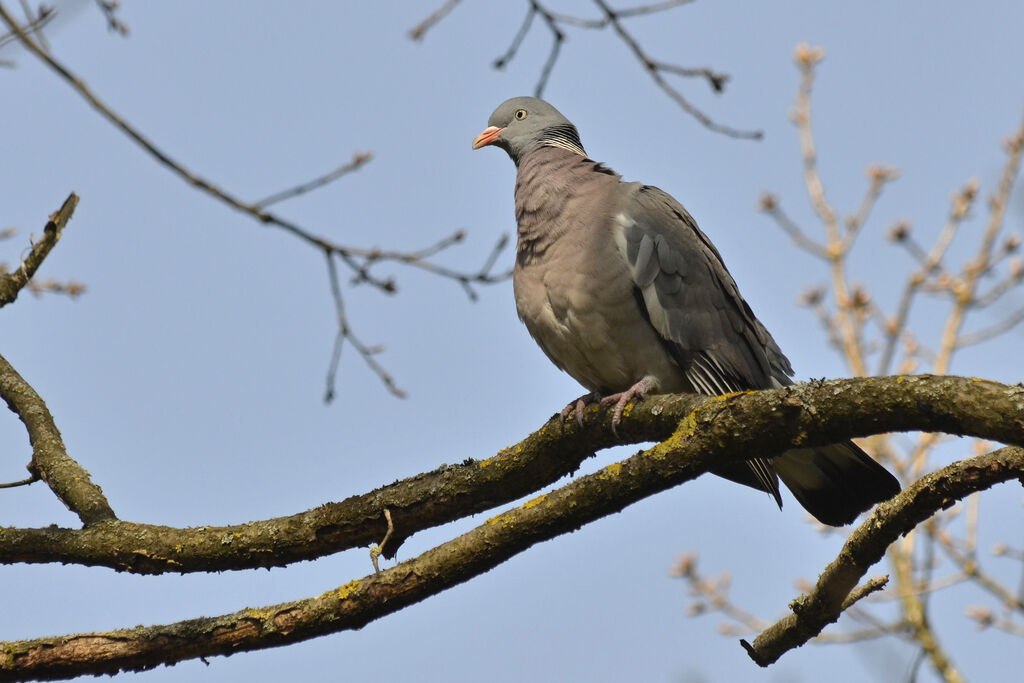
(189, 378)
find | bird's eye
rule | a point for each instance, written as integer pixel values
(520, 114)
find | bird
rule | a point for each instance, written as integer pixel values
(621, 290)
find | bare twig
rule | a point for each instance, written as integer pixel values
(345, 332)
(419, 30)
(33, 27)
(655, 74)
(807, 58)
(992, 331)
(878, 176)
(31, 479)
(358, 159)
(555, 21)
(769, 204)
(13, 282)
(356, 258)
(109, 9)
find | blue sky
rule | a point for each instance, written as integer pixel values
(188, 380)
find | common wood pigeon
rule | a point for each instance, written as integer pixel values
(622, 290)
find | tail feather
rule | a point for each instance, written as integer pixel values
(835, 483)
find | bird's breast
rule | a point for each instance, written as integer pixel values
(577, 302)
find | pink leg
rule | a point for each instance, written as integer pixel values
(579, 405)
(622, 399)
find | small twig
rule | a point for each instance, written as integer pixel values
(715, 79)
(990, 332)
(355, 258)
(878, 176)
(1004, 285)
(517, 40)
(655, 74)
(377, 549)
(769, 204)
(13, 282)
(109, 9)
(358, 159)
(71, 288)
(984, 618)
(345, 332)
(557, 38)
(46, 14)
(24, 482)
(419, 30)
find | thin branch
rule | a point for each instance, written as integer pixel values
(12, 283)
(769, 204)
(1004, 285)
(930, 264)
(109, 9)
(33, 27)
(979, 265)
(358, 159)
(345, 332)
(972, 570)
(990, 332)
(557, 38)
(419, 30)
(878, 176)
(655, 73)
(31, 479)
(517, 40)
(806, 59)
(612, 18)
(351, 256)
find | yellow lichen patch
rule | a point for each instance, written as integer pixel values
(688, 425)
(348, 589)
(899, 380)
(488, 462)
(611, 471)
(262, 615)
(535, 502)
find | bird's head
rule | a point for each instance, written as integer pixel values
(521, 124)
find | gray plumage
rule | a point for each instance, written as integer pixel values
(622, 290)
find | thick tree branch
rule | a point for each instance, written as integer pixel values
(65, 477)
(719, 429)
(12, 283)
(814, 610)
(763, 423)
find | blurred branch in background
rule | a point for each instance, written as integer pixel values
(359, 260)
(558, 23)
(845, 308)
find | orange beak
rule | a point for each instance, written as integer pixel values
(488, 137)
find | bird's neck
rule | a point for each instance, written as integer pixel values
(549, 181)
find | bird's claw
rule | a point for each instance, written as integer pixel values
(578, 406)
(622, 399)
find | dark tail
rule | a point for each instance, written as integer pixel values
(835, 483)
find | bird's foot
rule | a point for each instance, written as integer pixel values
(622, 399)
(579, 405)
